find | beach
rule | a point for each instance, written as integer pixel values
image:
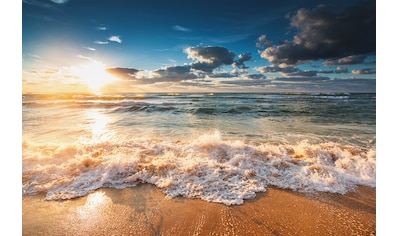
(145, 210)
(199, 164)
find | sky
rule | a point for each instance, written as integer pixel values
(198, 46)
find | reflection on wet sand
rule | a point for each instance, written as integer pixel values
(144, 210)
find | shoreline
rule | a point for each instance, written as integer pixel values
(145, 210)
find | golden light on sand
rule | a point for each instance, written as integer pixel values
(92, 209)
(93, 75)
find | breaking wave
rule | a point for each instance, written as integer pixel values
(206, 167)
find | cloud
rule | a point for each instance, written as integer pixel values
(300, 79)
(86, 58)
(123, 73)
(349, 60)
(38, 3)
(101, 27)
(341, 70)
(90, 48)
(212, 55)
(167, 74)
(276, 69)
(174, 73)
(255, 77)
(338, 70)
(263, 42)
(364, 71)
(101, 42)
(181, 28)
(115, 39)
(60, 1)
(203, 66)
(325, 34)
(241, 59)
(300, 73)
(209, 58)
(221, 75)
(293, 73)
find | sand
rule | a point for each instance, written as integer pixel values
(145, 210)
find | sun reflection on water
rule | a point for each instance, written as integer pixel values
(99, 126)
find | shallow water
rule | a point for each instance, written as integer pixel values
(216, 147)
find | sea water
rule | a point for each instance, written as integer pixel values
(222, 147)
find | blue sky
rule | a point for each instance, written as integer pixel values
(198, 46)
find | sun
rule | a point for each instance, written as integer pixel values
(93, 75)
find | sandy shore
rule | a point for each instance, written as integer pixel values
(144, 210)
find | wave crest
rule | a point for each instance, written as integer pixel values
(205, 167)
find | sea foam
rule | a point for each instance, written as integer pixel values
(206, 167)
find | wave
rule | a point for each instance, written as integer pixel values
(206, 167)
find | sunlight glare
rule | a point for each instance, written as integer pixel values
(99, 123)
(93, 74)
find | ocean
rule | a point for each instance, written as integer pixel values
(218, 147)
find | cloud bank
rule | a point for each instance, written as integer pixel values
(341, 38)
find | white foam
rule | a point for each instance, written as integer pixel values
(205, 167)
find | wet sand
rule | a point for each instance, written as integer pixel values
(144, 210)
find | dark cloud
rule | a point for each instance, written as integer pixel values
(203, 66)
(241, 59)
(173, 70)
(293, 73)
(209, 58)
(175, 73)
(276, 69)
(255, 77)
(325, 34)
(364, 71)
(123, 73)
(349, 60)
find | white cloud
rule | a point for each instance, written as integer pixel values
(100, 42)
(181, 28)
(90, 48)
(115, 39)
